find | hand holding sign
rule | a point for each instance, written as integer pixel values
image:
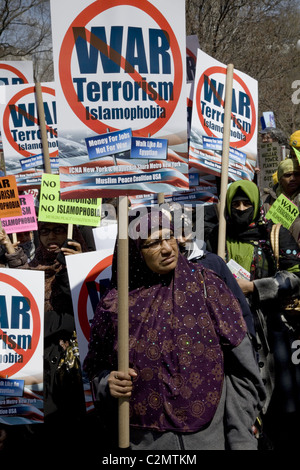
(5, 240)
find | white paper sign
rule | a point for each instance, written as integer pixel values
(89, 276)
(119, 65)
(208, 120)
(21, 345)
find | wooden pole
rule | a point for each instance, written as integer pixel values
(70, 231)
(123, 322)
(160, 198)
(225, 160)
(42, 123)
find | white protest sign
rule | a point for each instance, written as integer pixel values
(16, 72)
(21, 345)
(13, 73)
(208, 120)
(89, 275)
(119, 65)
(21, 134)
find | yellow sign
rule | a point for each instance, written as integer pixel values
(283, 211)
(297, 153)
(68, 211)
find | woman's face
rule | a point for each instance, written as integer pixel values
(241, 205)
(24, 237)
(52, 236)
(160, 251)
(290, 182)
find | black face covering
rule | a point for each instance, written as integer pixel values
(241, 219)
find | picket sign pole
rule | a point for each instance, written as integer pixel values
(42, 124)
(123, 321)
(225, 161)
(4, 174)
(43, 128)
(161, 198)
(70, 231)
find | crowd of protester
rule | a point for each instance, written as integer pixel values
(210, 354)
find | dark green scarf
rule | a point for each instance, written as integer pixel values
(239, 246)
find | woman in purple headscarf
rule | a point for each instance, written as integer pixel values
(193, 380)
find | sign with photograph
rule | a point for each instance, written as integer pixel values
(120, 66)
(208, 120)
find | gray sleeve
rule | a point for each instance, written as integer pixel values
(283, 284)
(100, 387)
(245, 395)
(18, 259)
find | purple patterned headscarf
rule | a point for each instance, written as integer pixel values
(179, 325)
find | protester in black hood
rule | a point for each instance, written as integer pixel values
(248, 243)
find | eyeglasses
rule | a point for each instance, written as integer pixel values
(56, 230)
(156, 244)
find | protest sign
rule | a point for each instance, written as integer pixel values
(269, 157)
(113, 143)
(9, 197)
(89, 276)
(12, 73)
(142, 86)
(21, 133)
(21, 346)
(16, 72)
(192, 46)
(208, 120)
(199, 195)
(149, 149)
(133, 173)
(71, 211)
(25, 222)
(268, 120)
(297, 153)
(283, 211)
